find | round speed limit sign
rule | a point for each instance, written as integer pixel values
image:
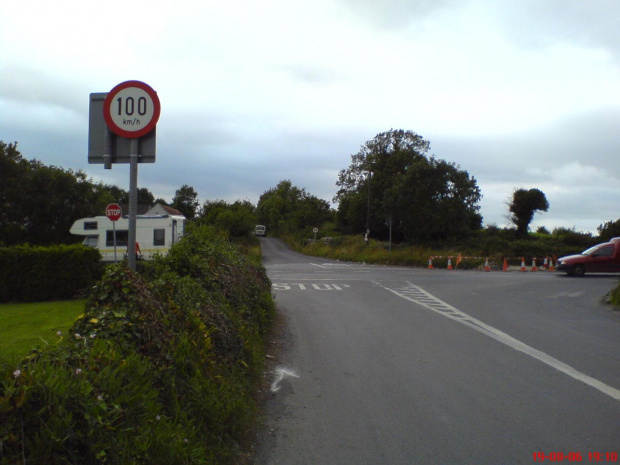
(131, 109)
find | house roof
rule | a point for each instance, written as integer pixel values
(158, 207)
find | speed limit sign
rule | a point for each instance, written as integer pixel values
(131, 109)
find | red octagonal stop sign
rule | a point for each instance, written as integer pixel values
(113, 212)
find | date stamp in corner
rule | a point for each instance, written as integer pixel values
(602, 457)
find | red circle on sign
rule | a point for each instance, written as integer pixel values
(131, 109)
(113, 212)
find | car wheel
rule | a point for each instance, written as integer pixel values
(579, 270)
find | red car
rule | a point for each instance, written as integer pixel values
(602, 258)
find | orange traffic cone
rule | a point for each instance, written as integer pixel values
(546, 263)
(449, 263)
(486, 265)
(534, 268)
(430, 263)
(523, 264)
(551, 264)
(505, 267)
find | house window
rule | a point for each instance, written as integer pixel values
(122, 238)
(90, 225)
(159, 237)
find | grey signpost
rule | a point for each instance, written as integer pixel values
(122, 129)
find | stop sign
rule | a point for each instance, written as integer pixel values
(113, 212)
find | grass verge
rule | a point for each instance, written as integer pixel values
(27, 326)
(614, 297)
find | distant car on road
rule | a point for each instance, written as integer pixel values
(260, 230)
(602, 258)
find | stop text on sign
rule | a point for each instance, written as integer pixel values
(113, 212)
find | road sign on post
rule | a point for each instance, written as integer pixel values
(114, 212)
(130, 111)
(107, 148)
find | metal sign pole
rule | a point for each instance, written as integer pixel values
(114, 232)
(133, 202)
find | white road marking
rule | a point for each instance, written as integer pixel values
(419, 296)
(280, 374)
(302, 286)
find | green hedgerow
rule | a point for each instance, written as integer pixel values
(161, 367)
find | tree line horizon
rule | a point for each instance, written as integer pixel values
(391, 188)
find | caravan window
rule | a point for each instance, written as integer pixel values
(159, 237)
(91, 241)
(90, 225)
(122, 238)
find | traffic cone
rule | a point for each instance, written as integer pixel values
(430, 263)
(534, 268)
(486, 265)
(505, 267)
(551, 264)
(523, 264)
(449, 264)
(546, 263)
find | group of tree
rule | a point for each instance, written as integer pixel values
(285, 209)
(39, 203)
(237, 218)
(393, 184)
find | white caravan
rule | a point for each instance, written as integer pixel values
(154, 234)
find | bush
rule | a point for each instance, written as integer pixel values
(31, 274)
(161, 367)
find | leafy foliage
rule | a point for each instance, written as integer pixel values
(523, 206)
(186, 201)
(39, 203)
(286, 209)
(391, 177)
(237, 219)
(160, 368)
(609, 229)
(31, 273)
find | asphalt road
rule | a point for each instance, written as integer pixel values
(389, 365)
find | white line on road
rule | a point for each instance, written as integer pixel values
(419, 296)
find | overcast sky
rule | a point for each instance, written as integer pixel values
(520, 93)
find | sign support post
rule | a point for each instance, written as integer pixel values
(122, 129)
(113, 212)
(133, 203)
(114, 234)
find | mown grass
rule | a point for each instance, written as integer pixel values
(27, 326)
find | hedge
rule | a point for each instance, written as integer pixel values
(31, 274)
(162, 367)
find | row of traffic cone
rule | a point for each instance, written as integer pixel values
(548, 264)
(430, 263)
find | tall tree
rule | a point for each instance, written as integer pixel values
(392, 179)
(186, 201)
(523, 206)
